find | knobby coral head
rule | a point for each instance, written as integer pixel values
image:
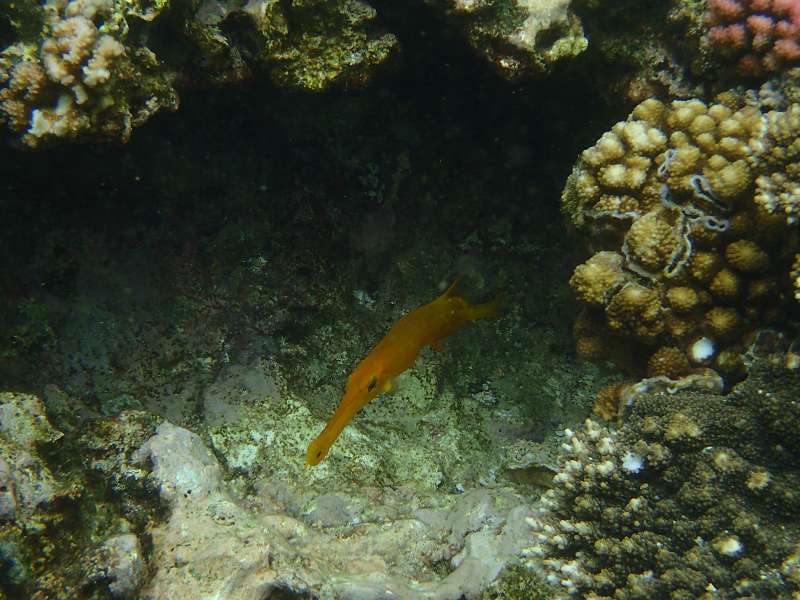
(760, 35)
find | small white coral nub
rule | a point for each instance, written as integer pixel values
(702, 350)
(729, 546)
(632, 462)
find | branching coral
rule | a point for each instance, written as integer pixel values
(778, 189)
(759, 35)
(675, 196)
(83, 81)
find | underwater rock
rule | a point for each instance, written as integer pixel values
(214, 543)
(109, 449)
(518, 37)
(236, 386)
(23, 420)
(181, 464)
(27, 482)
(119, 562)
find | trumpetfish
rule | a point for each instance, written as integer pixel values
(427, 325)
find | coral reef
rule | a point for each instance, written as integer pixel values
(86, 76)
(308, 45)
(757, 35)
(694, 497)
(81, 81)
(519, 37)
(689, 246)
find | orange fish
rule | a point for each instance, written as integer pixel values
(426, 326)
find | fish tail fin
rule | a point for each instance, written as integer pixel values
(451, 291)
(487, 310)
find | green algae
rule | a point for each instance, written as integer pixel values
(516, 582)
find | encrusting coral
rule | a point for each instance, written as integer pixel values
(695, 496)
(686, 249)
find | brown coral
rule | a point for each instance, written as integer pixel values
(730, 363)
(725, 285)
(723, 322)
(590, 347)
(746, 256)
(679, 328)
(760, 289)
(607, 403)
(26, 82)
(636, 310)
(598, 277)
(682, 299)
(729, 180)
(651, 111)
(795, 277)
(675, 183)
(651, 241)
(669, 362)
(614, 205)
(704, 265)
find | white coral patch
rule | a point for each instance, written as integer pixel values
(702, 350)
(632, 462)
(729, 546)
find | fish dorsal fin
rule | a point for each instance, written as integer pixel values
(451, 291)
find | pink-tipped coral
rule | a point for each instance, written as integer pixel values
(729, 38)
(722, 11)
(787, 50)
(760, 35)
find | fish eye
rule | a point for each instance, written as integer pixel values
(319, 453)
(372, 383)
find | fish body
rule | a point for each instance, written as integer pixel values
(427, 325)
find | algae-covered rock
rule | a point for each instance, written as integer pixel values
(108, 449)
(26, 482)
(213, 542)
(644, 49)
(518, 37)
(119, 564)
